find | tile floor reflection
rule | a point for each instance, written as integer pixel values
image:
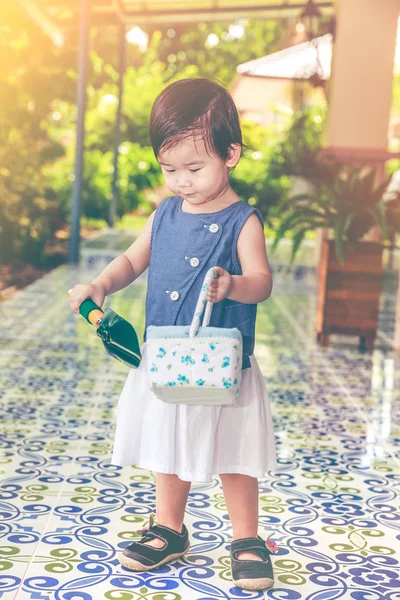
(333, 505)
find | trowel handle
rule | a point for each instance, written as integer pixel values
(91, 312)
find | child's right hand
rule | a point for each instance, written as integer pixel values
(80, 292)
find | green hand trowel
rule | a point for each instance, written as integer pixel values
(118, 336)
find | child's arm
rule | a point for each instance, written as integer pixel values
(127, 267)
(255, 283)
(121, 271)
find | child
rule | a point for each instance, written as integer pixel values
(196, 138)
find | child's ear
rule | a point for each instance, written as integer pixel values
(234, 152)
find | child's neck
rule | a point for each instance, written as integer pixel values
(223, 201)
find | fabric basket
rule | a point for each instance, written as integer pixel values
(195, 364)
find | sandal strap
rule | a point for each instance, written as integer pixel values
(146, 529)
(175, 543)
(159, 531)
(151, 531)
(252, 544)
(152, 534)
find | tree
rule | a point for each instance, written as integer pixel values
(32, 73)
(38, 112)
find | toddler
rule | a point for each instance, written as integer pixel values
(197, 140)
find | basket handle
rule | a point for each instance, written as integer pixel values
(201, 302)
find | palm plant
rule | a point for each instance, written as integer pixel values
(346, 200)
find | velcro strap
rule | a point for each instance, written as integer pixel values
(256, 545)
(154, 532)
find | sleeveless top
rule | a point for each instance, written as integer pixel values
(183, 247)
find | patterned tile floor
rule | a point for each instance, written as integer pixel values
(333, 505)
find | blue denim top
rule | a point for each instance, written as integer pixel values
(183, 247)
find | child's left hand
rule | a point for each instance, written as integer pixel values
(220, 287)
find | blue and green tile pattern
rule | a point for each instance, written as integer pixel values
(66, 512)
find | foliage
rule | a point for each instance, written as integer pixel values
(272, 157)
(32, 73)
(29, 211)
(396, 95)
(346, 199)
(38, 113)
(251, 180)
(138, 171)
(215, 49)
(340, 196)
(295, 153)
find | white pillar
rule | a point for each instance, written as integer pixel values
(396, 341)
(360, 90)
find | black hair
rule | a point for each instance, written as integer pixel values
(195, 108)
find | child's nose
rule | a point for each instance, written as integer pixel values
(182, 181)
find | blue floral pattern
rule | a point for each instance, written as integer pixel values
(219, 367)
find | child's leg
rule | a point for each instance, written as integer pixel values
(241, 497)
(171, 498)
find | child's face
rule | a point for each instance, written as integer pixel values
(190, 172)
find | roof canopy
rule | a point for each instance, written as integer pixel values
(297, 62)
(138, 12)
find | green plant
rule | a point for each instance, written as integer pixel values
(296, 150)
(344, 199)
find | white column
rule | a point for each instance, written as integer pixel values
(360, 90)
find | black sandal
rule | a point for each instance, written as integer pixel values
(252, 574)
(139, 556)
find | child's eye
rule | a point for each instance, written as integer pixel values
(173, 170)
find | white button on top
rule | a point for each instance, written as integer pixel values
(174, 295)
(214, 228)
(194, 262)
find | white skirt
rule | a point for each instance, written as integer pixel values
(195, 442)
